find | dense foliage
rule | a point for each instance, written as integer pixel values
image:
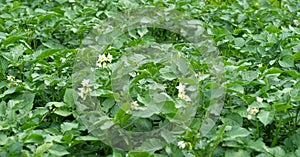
(258, 42)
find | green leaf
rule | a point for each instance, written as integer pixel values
(107, 104)
(257, 145)
(167, 74)
(138, 154)
(56, 104)
(143, 124)
(87, 138)
(287, 62)
(188, 81)
(233, 119)
(296, 56)
(34, 138)
(58, 150)
(68, 97)
(282, 106)
(236, 88)
(43, 148)
(236, 132)
(8, 91)
(274, 70)
(3, 139)
(239, 42)
(66, 126)
(63, 112)
(266, 117)
(102, 93)
(239, 152)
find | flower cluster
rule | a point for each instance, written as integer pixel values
(181, 92)
(85, 90)
(252, 111)
(12, 80)
(135, 106)
(102, 60)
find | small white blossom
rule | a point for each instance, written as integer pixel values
(181, 144)
(10, 78)
(104, 65)
(252, 111)
(198, 74)
(249, 116)
(259, 65)
(136, 106)
(187, 98)
(259, 99)
(85, 90)
(109, 58)
(102, 58)
(85, 82)
(98, 64)
(62, 60)
(180, 87)
(17, 80)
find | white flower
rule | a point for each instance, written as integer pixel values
(102, 58)
(255, 110)
(85, 82)
(104, 65)
(85, 90)
(98, 64)
(181, 144)
(198, 74)
(186, 98)
(259, 99)
(10, 78)
(259, 65)
(249, 116)
(180, 87)
(17, 80)
(62, 60)
(109, 58)
(136, 106)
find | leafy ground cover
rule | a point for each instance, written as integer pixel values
(258, 42)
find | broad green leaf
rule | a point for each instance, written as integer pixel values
(138, 154)
(8, 91)
(56, 104)
(257, 145)
(236, 132)
(276, 151)
(188, 81)
(3, 139)
(66, 126)
(107, 104)
(58, 150)
(236, 88)
(167, 74)
(240, 153)
(62, 112)
(233, 119)
(266, 117)
(69, 97)
(296, 56)
(143, 124)
(43, 148)
(239, 42)
(87, 138)
(287, 62)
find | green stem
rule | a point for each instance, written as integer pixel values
(275, 139)
(257, 129)
(218, 140)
